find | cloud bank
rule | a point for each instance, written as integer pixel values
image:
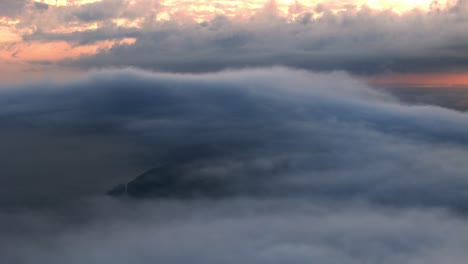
(364, 42)
(245, 231)
(315, 167)
(338, 35)
(301, 133)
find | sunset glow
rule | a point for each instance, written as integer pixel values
(49, 30)
(232, 7)
(422, 80)
(200, 10)
(66, 2)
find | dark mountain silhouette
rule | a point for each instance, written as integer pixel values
(171, 181)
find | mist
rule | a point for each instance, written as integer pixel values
(312, 167)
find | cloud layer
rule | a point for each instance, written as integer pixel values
(316, 168)
(328, 36)
(236, 231)
(269, 165)
(416, 42)
(271, 132)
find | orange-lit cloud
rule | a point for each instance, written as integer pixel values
(50, 33)
(206, 9)
(54, 51)
(202, 10)
(66, 2)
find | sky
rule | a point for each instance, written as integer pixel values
(397, 42)
(234, 131)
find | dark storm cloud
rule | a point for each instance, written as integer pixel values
(265, 133)
(363, 42)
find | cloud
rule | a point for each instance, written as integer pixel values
(312, 167)
(233, 231)
(98, 11)
(263, 132)
(85, 37)
(18, 8)
(271, 165)
(336, 35)
(11, 8)
(448, 97)
(321, 39)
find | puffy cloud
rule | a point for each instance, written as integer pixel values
(329, 36)
(364, 42)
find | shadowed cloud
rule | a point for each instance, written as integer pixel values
(304, 167)
(273, 132)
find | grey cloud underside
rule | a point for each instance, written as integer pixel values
(17, 8)
(11, 8)
(257, 133)
(366, 42)
(97, 11)
(448, 97)
(106, 10)
(86, 37)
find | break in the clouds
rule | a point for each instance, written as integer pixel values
(308, 168)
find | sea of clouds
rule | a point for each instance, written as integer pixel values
(317, 167)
